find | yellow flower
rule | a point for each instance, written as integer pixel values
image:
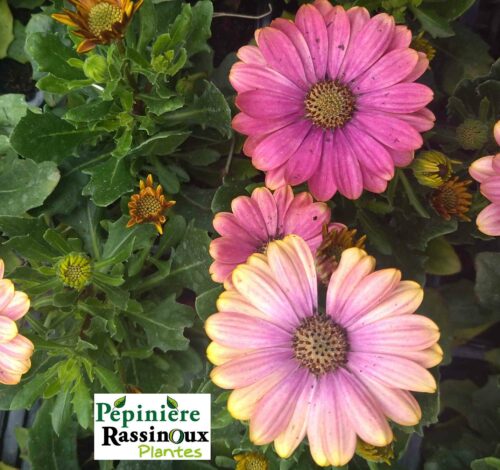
(334, 243)
(149, 205)
(432, 168)
(375, 454)
(421, 44)
(452, 199)
(98, 21)
(251, 461)
(74, 270)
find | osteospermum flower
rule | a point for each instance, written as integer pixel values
(98, 21)
(251, 461)
(330, 99)
(486, 171)
(432, 168)
(332, 374)
(15, 349)
(149, 205)
(257, 220)
(452, 199)
(74, 270)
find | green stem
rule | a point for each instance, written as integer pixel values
(412, 197)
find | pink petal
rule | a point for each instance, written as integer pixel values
(306, 218)
(290, 29)
(400, 98)
(304, 162)
(262, 291)
(251, 143)
(233, 301)
(277, 148)
(293, 265)
(218, 354)
(268, 209)
(6, 293)
(294, 433)
(403, 300)
(496, 133)
(322, 183)
(284, 198)
(395, 335)
(363, 410)
(420, 68)
(488, 220)
(421, 121)
(490, 189)
(17, 307)
(247, 77)
(354, 266)
(272, 105)
(251, 367)
(275, 410)
(8, 329)
(373, 40)
(482, 169)
(2, 268)
(332, 438)
(358, 17)
(323, 6)
(312, 25)
(427, 358)
(281, 54)
(243, 401)
(392, 371)
(390, 131)
(401, 38)
(373, 182)
(369, 292)
(239, 331)
(275, 178)
(226, 224)
(248, 215)
(398, 405)
(248, 125)
(401, 158)
(339, 31)
(251, 55)
(230, 250)
(220, 272)
(370, 153)
(18, 348)
(388, 71)
(345, 166)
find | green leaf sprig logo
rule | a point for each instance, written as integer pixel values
(171, 403)
(120, 402)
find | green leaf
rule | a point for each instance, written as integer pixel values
(162, 143)
(25, 184)
(82, 403)
(120, 402)
(435, 25)
(61, 86)
(33, 389)
(61, 411)
(109, 379)
(200, 27)
(109, 181)
(164, 324)
(12, 109)
(454, 9)
(6, 28)
(488, 279)
(488, 463)
(171, 403)
(375, 232)
(43, 137)
(16, 48)
(442, 258)
(206, 302)
(45, 448)
(52, 56)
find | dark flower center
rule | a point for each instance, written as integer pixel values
(329, 104)
(148, 206)
(102, 17)
(320, 344)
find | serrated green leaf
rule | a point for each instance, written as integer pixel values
(109, 379)
(82, 403)
(46, 137)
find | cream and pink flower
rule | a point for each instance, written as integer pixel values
(334, 373)
(486, 171)
(330, 99)
(261, 218)
(15, 349)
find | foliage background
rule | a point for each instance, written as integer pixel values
(71, 157)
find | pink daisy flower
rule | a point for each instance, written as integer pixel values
(15, 349)
(486, 171)
(259, 219)
(330, 99)
(332, 374)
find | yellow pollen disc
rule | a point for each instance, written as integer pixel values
(102, 17)
(329, 104)
(320, 344)
(148, 206)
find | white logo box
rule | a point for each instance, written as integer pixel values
(152, 426)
